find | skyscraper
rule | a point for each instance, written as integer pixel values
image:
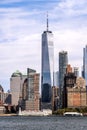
(63, 62)
(30, 98)
(47, 65)
(85, 63)
(16, 82)
(32, 90)
(76, 71)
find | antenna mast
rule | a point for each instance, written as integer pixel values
(47, 22)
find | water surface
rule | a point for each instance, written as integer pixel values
(43, 123)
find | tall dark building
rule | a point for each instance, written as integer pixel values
(47, 65)
(69, 82)
(63, 61)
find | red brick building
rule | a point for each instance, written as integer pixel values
(77, 96)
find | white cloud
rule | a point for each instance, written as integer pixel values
(19, 43)
(20, 35)
(70, 8)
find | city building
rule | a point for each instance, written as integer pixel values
(68, 69)
(69, 78)
(30, 92)
(77, 96)
(25, 90)
(5, 97)
(69, 82)
(76, 71)
(47, 66)
(85, 63)
(80, 82)
(56, 78)
(5, 100)
(16, 83)
(63, 62)
(55, 98)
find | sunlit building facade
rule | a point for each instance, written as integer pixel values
(16, 83)
(77, 95)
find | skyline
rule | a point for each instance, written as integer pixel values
(22, 23)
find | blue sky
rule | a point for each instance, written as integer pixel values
(21, 25)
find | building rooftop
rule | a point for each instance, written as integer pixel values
(17, 74)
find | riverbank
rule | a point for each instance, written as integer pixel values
(8, 114)
(79, 110)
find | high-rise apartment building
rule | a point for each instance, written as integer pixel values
(63, 62)
(85, 63)
(47, 65)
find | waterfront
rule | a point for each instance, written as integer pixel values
(43, 123)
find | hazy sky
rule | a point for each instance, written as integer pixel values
(21, 25)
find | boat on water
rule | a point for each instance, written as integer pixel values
(72, 114)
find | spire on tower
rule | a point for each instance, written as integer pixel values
(47, 22)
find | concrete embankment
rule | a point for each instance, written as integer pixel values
(8, 114)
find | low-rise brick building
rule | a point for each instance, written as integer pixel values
(77, 96)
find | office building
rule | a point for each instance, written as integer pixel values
(76, 71)
(69, 82)
(5, 100)
(47, 65)
(16, 83)
(77, 96)
(63, 62)
(30, 91)
(85, 63)
(55, 98)
(69, 77)
(56, 78)
(68, 69)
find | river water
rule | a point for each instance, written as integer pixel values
(43, 123)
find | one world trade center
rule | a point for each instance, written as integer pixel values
(47, 65)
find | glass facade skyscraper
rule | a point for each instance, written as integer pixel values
(63, 62)
(47, 65)
(85, 63)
